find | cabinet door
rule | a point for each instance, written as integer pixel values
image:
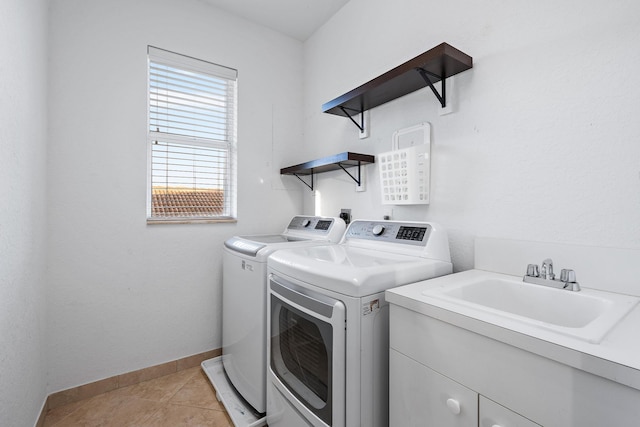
(421, 397)
(494, 415)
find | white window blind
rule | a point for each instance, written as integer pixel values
(192, 138)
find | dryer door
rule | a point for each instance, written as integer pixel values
(307, 351)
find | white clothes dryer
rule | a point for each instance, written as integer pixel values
(328, 321)
(244, 298)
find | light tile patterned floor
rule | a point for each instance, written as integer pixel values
(185, 398)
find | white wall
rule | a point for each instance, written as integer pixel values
(544, 141)
(23, 96)
(125, 295)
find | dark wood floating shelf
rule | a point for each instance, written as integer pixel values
(339, 161)
(424, 70)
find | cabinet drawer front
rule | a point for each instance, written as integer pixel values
(421, 397)
(493, 414)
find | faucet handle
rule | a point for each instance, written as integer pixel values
(569, 278)
(567, 275)
(533, 271)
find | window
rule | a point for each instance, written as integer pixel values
(191, 139)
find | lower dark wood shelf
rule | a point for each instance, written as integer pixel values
(331, 163)
(339, 161)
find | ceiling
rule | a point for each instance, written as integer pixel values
(296, 18)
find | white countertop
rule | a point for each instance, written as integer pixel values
(616, 357)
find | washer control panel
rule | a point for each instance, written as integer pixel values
(311, 224)
(412, 233)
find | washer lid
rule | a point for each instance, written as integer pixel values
(354, 271)
(250, 245)
(302, 228)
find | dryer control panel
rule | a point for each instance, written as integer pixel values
(412, 233)
(423, 239)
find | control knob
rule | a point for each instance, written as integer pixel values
(378, 230)
(305, 222)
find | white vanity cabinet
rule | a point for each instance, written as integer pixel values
(442, 375)
(421, 397)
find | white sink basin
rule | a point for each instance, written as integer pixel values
(587, 315)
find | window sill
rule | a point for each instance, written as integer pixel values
(151, 221)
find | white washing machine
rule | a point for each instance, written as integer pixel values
(329, 322)
(244, 299)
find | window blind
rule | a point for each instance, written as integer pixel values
(192, 135)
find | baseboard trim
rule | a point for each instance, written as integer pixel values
(86, 391)
(43, 414)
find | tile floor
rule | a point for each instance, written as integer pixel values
(185, 398)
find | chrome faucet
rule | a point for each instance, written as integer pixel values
(545, 276)
(546, 271)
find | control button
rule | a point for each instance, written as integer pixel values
(378, 230)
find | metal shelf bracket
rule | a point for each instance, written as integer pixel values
(305, 182)
(425, 75)
(357, 180)
(361, 112)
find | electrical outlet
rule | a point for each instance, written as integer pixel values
(345, 214)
